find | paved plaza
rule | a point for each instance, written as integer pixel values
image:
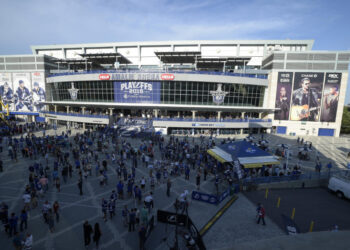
(236, 226)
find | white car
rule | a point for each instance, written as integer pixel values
(341, 186)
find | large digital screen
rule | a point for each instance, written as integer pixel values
(330, 97)
(283, 95)
(137, 92)
(306, 96)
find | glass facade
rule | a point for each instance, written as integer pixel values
(188, 93)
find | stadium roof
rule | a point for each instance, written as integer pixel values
(178, 57)
(106, 58)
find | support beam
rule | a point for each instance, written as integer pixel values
(111, 111)
(194, 114)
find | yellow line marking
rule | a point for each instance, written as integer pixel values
(217, 215)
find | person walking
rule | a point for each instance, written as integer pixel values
(87, 233)
(261, 215)
(168, 186)
(97, 235)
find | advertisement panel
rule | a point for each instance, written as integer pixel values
(306, 98)
(137, 92)
(330, 97)
(38, 91)
(6, 90)
(283, 95)
(23, 97)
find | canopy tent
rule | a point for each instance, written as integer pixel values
(247, 154)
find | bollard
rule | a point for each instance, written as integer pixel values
(311, 226)
(293, 213)
(278, 202)
(266, 193)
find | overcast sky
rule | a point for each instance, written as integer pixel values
(42, 22)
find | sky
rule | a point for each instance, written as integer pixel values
(43, 22)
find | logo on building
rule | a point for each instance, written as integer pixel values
(167, 77)
(218, 95)
(250, 150)
(104, 77)
(73, 92)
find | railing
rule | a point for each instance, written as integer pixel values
(160, 71)
(292, 177)
(74, 114)
(210, 120)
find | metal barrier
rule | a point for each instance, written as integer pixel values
(210, 120)
(293, 177)
(160, 71)
(73, 114)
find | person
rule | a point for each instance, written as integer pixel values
(125, 214)
(51, 220)
(104, 206)
(80, 185)
(13, 224)
(142, 236)
(55, 208)
(305, 96)
(132, 220)
(198, 180)
(23, 97)
(283, 104)
(28, 242)
(87, 233)
(38, 94)
(17, 241)
(97, 234)
(261, 215)
(24, 220)
(168, 186)
(331, 104)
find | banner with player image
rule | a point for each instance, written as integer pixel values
(283, 95)
(22, 92)
(330, 97)
(38, 91)
(6, 90)
(306, 97)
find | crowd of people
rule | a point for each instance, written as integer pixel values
(88, 156)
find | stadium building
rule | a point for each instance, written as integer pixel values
(221, 87)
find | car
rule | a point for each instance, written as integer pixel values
(340, 185)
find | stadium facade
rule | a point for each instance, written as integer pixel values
(233, 86)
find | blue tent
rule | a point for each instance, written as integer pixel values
(245, 152)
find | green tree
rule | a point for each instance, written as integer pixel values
(345, 124)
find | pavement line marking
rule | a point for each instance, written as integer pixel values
(211, 222)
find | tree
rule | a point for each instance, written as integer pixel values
(345, 124)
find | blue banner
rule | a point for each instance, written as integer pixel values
(137, 92)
